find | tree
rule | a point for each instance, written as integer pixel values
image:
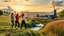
(1, 12)
(61, 14)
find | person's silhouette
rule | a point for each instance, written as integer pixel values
(23, 21)
(17, 21)
(12, 19)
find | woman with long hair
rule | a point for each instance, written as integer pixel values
(17, 21)
(12, 19)
(23, 21)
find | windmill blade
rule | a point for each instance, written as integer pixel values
(52, 4)
(57, 8)
(11, 8)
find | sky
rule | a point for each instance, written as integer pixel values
(31, 5)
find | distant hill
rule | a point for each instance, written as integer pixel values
(34, 14)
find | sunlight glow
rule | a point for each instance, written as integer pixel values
(19, 9)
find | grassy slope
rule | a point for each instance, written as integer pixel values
(55, 28)
(4, 21)
(5, 24)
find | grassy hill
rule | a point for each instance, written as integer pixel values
(5, 29)
(4, 21)
(55, 28)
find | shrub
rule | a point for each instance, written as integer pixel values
(61, 14)
(1, 12)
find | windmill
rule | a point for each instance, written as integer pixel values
(55, 10)
(53, 3)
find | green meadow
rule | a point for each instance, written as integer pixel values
(5, 29)
(51, 28)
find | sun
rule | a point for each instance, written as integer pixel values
(19, 9)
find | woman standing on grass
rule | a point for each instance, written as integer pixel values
(12, 19)
(23, 21)
(17, 21)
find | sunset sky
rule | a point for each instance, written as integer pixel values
(30, 5)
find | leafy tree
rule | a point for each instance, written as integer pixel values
(1, 12)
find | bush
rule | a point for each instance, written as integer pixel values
(61, 14)
(1, 12)
(32, 23)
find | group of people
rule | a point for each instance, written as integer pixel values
(15, 22)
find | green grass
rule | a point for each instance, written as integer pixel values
(55, 28)
(26, 33)
(5, 28)
(4, 21)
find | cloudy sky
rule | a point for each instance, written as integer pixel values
(31, 5)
